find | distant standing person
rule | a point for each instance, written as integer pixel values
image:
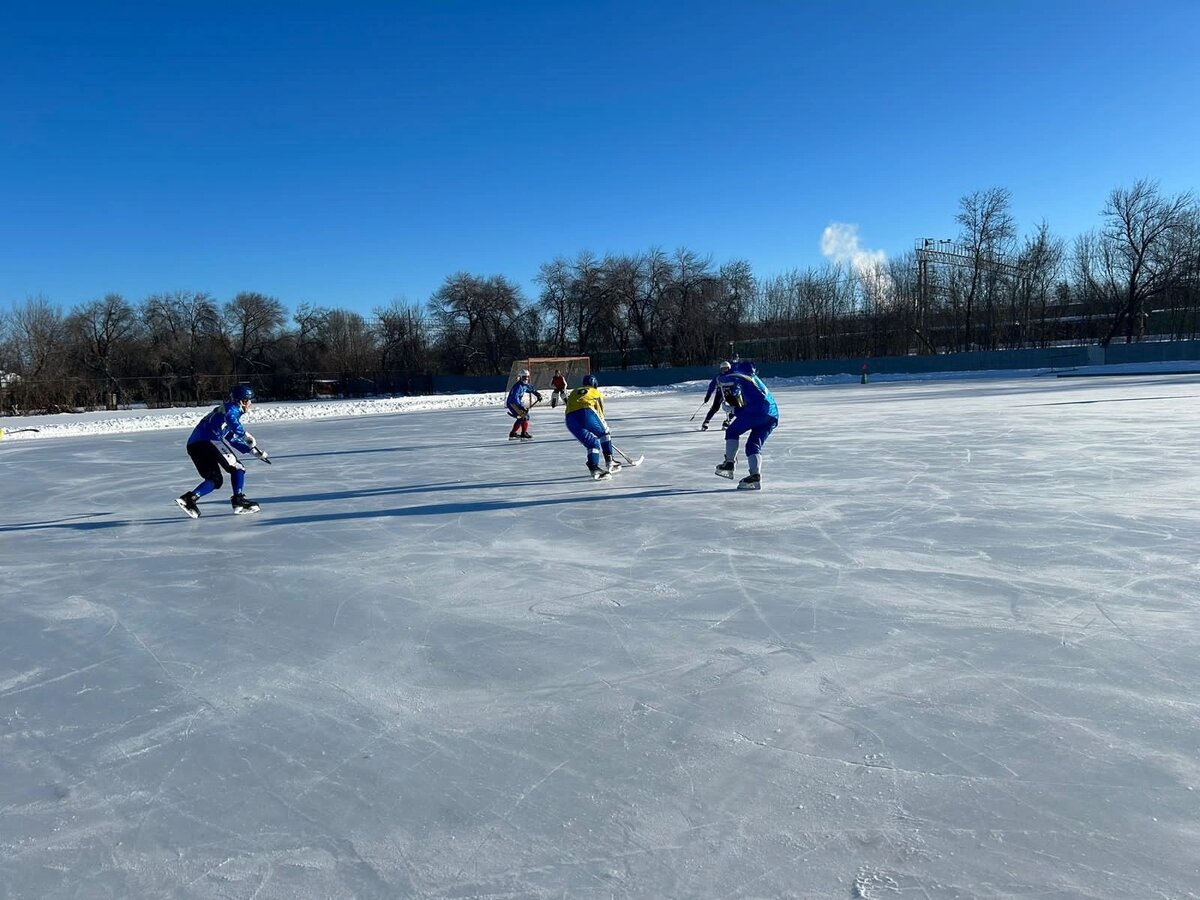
(209, 448)
(558, 386)
(717, 397)
(518, 405)
(754, 411)
(585, 420)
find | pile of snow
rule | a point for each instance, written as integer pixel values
(106, 422)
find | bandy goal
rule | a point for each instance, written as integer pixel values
(541, 370)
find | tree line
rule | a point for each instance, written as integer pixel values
(1136, 275)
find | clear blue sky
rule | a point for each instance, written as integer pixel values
(352, 153)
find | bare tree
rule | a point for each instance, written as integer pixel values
(650, 308)
(351, 344)
(250, 324)
(556, 280)
(1041, 261)
(403, 339)
(310, 322)
(104, 332)
(8, 352)
(184, 330)
(691, 300)
(586, 300)
(480, 320)
(987, 229)
(614, 321)
(1136, 255)
(38, 349)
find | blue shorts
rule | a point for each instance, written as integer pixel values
(760, 429)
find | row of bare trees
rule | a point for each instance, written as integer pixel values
(988, 288)
(185, 348)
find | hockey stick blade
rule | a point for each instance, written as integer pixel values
(629, 461)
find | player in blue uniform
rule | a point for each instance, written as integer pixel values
(209, 448)
(754, 411)
(717, 398)
(585, 420)
(518, 405)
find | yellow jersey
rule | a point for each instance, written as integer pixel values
(585, 398)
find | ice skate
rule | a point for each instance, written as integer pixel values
(750, 483)
(242, 504)
(187, 503)
(725, 469)
(598, 472)
(526, 436)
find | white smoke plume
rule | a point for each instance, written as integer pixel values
(840, 244)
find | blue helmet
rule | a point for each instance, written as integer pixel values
(590, 381)
(241, 392)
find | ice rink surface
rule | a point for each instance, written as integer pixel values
(951, 650)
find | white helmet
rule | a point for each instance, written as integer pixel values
(725, 366)
(524, 373)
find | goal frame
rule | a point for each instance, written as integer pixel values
(541, 370)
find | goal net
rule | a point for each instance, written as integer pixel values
(542, 368)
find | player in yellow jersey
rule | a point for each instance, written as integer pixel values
(585, 420)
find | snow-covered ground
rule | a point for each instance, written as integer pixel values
(952, 649)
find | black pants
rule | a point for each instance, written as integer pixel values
(209, 461)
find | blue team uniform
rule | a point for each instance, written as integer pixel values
(518, 403)
(209, 443)
(223, 424)
(754, 411)
(714, 392)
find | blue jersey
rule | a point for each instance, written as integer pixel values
(223, 424)
(712, 386)
(748, 395)
(519, 401)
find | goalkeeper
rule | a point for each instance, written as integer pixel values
(558, 386)
(585, 420)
